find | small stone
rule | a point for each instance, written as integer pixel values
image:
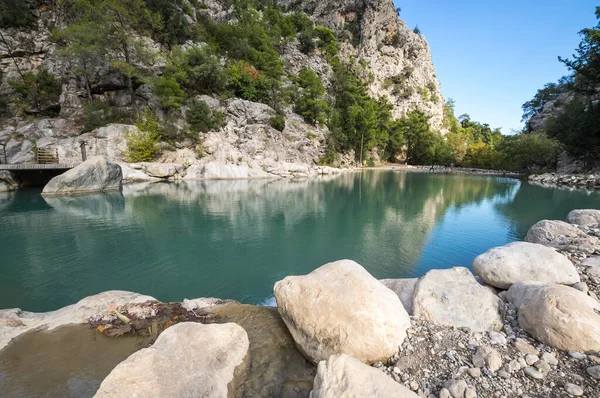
(577, 355)
(531, 359)
(456, 387)
(594, 358)
(533, 373)
(512, 367)
(487, 356)
(550, 358)
(523, 346)
(470, 393)
(582, 287)
(594, 371)
(474, 372)
(444, 393)
(522, 363)
(503, 374)
(542, 366)
(414, 385)
(573, 389)
(497, 338)
(396, 370)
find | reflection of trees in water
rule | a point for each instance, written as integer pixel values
(533, 203)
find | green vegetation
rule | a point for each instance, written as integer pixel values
(14, 13)
(37, 93)
(309, 101)
(98, 114)
(143, 143)
(576, 126)
(201, 118)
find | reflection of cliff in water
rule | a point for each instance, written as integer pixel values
(230, 239)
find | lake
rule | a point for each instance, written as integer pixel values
(235, 239)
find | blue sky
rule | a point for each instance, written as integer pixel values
(492, 56)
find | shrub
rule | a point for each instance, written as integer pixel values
(169, 92)
(247, 82)
(143, 144)
(201, 118)
(41, 91)
(309, 102)
(14, 13)
(277, 122)
(326, 41)
(97, 114)
(307, 44)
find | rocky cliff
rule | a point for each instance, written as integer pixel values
(394, 61)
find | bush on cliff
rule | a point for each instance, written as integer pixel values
(143, 143)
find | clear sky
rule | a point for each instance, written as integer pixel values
(492, 56)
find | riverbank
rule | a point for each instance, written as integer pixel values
(584, 181)
(495, 333)
(451, 170)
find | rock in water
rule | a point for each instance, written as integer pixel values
(523, 261)
(584, 217)
(187, 360)
(404, 288)
(452, 297)
(96, 174)
(344, 376)
(340, 308)
(558, 234)
(562, 317)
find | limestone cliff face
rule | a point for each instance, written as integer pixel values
(395, 60)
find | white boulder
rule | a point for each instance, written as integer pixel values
(562, 317)
(339, 308)
(187, 360)
(344, 376)
(584, 217)
(96, 174)
(452, 297)
(523, 261)
(558, 234)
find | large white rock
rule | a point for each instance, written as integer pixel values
(584, 217)
(339, 308)
(187, 360)
(592, 265)
(404, 288)
(452, 297)
(14, 322)
(96, 174)
(523, 261)
(558, 234)
(562, 317)
(224, 171)
(344, 376)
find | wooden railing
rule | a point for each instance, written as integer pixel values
(47, 156)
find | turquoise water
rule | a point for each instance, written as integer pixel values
(235, 239)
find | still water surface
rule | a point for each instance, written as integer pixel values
(235, 239)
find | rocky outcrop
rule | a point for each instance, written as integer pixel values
(584, 217)
(562, 317)
(523, 261)
(339, 308)
(187, 360)
(453, 297)
(94, 175)
(14, 322)
(7, 181)
(576, 180)
(404, 288)
(344, 376)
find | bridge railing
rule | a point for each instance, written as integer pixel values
(47, 156)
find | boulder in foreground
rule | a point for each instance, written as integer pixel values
(340, 308)
(344, 376)
(96, 174)
(584, 217)
(452, 297)
(187, 360)
(562, 317)
(522, 261)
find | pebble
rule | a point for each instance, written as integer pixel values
(414, 385)
(594, 359)
(542, 366)
(577, 355)
(582, 287)
(474, 372)
(503, 374)
(497, 338)
(470, 393)
(574, 389)
(594, 371)
(487, 356)
(444, 393)
(523, 346)
(531, 359)
(534, 373)
(550, 358)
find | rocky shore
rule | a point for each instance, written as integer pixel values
(454, 170)
(587, 181)
(525, 324)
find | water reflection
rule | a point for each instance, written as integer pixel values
(234, 239)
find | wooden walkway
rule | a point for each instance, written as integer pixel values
(36, 166)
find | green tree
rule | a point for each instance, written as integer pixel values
(167, 89)
(550, 92)
(201, 118)
(527, 151)
(309, 102)
(14, 14)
